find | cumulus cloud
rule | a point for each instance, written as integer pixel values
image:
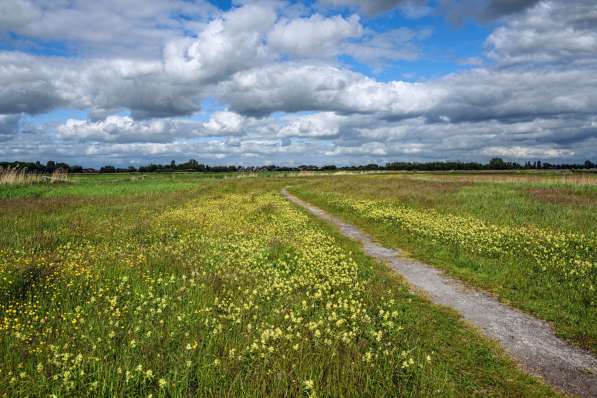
(552, 31)
(121, 129)
(103, 27)
(379, 49)
(519, 152)
(17, 13)
(486, 94)
(484, 10)
(315, 36)
(9, 126)
(283, 96)
(125, 129)
(225, 123)
(319, 125)
(247, 37)
(413, 8)
(34, 84)
(481, 94)
(292, 87)
(226, 45)
(141, 87)
(30, 84)
(316, 138)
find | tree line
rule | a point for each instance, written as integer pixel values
(194, 166)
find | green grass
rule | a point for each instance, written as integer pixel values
(169, 276)
(110, 185)
(514, 279)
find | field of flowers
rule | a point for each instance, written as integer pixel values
(530, 240)
(227, 294)
(573, 256)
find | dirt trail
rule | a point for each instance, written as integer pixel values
(529, 340)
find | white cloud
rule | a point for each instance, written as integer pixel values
(292, 87)
(30, 84)
(132, 28)
(225, 123)
(519, 152)
(17, 13)
(321, 125)
(378, 49)
(315, 36)
(286, 97)
(9, 126)
(411, 8)
(484, 10)
(308, 138)
(117, 128)
(124, 129)
(34, 84)
(234, 42)
(552, 31)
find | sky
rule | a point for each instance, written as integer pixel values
(129, 82)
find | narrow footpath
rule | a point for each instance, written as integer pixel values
(528, 340)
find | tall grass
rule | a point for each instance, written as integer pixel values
(16, 176)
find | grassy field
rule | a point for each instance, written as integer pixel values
(529, 239)
(188, 285)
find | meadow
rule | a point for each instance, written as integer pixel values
(211, 285)
(530, 239)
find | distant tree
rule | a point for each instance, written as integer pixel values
(497, 164)
(50, 166)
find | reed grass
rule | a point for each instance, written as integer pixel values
(18, 176)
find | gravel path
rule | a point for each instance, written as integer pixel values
(529, 340)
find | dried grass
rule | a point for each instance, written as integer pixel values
(574, 179)
(17, 176)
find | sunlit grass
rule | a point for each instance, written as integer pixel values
(221, 289)
(535, 249)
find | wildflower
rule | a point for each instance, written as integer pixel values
(368, 356)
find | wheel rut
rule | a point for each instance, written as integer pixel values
(530, 341)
